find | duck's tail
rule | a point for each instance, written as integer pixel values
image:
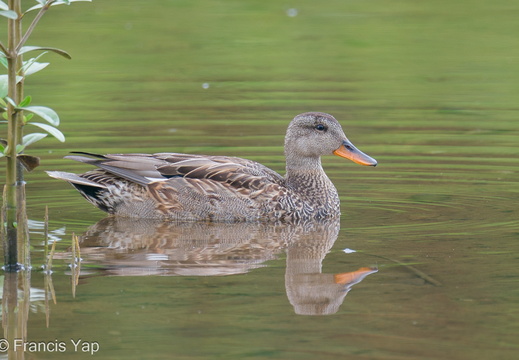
(94, 192)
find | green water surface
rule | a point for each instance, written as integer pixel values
(429, 89)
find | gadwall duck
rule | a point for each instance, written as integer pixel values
(221, 188)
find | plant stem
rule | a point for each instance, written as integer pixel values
(15, 92)
(14, 175)
(19, 93)
(33, 24)
(12, 127)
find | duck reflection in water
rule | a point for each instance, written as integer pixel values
(133, 247)
(239, 192)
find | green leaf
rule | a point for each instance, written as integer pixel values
(26, 49)
(25, 101)
(32, 138)
(51, 130)
(19, 148)
(71, 1)
(3, 61)
(57, 2)
(3, 6)
(9, 14)
(10, 101)
(39, 56)
(4, 86)
(34, 68)
(33, 8)
(45, 113)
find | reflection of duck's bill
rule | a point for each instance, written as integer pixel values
(353, 277)
(349, 151)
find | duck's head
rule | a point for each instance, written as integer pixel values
(313, 134)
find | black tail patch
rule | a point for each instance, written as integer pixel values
(94, 195)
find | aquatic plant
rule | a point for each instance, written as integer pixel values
(17, 110)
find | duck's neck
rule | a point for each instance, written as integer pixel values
(307, 178)
(297, 166)
(308, 175)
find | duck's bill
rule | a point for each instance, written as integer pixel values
(349, 151)
(354, 277)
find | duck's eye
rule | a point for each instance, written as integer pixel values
(320, 127)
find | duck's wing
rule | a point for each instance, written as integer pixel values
(145, 169)
(136, 168)
(233, 171)
(214, 186)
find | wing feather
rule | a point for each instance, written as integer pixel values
(236, 174)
